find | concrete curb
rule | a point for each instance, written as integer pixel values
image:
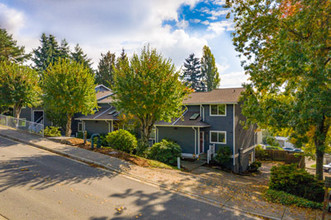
(183, 193)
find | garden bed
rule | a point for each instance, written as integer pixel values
(140, 161)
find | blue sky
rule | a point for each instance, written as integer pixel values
(176, 28)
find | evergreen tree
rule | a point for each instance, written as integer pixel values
(64, 50)
(122, 57)
(47, 53)
(9, 50)
(209, 69)
(105, 72)
(192, 74)
(80, 57)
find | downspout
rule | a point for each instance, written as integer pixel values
(195, 141)
(112, 125)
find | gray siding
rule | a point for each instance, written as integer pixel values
(93, 127)
(245, 138)
(27, 114)
(219, 123)
(182, 136)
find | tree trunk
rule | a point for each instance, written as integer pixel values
(146, 129)
(319, 162)
(17, 112)
(68, 126)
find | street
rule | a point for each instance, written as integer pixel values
(37, 184)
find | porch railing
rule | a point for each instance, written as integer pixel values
(22, 124)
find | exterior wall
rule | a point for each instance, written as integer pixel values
(28, 112)
(93, 127)
(182, 136)
(218, 123)
(245, 138)
(243, 163)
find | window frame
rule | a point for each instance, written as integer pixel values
(80, 123)
(225, 106)
(210, 134)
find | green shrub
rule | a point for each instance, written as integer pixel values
(255, 166)
(81, 135)
(122, 140)
(289, 199)
(270, 140)
(299, 182)
(165, 151)
(223, 155)
(141, 148)
(52, 131)
(274, 148)
(260, 153)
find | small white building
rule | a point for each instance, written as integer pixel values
(284, 142)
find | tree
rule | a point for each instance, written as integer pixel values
(64, 50)
(68, 88)
(192, 74)
(287, 49)
(105, 72)
(80, 57)
(46, 54)
(9, 50)
(148, 88)
(209, 69)
(18, 86)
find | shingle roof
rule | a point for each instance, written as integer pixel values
(102, 114)
(103, 94)
(108, 99)
(184, 121)
(228, 95)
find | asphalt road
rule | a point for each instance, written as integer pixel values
(37, 184)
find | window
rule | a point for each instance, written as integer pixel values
(218, 137)
(218, 110)
(80, 126)
(194, 116)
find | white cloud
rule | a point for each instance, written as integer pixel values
(11, 19)
(233, 79)
(112, 25)
(221, 26)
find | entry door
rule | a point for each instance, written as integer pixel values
(38, 117)
(202, 141)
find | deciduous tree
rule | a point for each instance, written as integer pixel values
(18, 86)
(286, 45)
(147, 87)
(69, 88)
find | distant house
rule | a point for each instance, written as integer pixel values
(105, 120)
(212, 119)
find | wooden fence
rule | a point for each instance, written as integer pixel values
(280, 155)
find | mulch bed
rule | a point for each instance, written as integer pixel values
(108, 151)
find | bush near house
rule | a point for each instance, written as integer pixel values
(289, 199)
(223, 156)
(122, 140)
(165, 151)
(253, 167)
(299, 182)
(52, 131)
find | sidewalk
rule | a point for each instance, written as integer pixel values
(242, 193)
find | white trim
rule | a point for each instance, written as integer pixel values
(199, 141)
(210, 103)
(217, 110)
(195, 141)
(112, 125)
(234, 135)
(184, 126)
(102, 85)
(97, 116)
(217, 132)
(80, 123)
(179, 117)
(186, 155)
(245, 150)
(203, 140)
(38, 111)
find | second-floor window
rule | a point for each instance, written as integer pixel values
(218, 110)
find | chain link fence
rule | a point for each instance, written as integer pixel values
(22, 124)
